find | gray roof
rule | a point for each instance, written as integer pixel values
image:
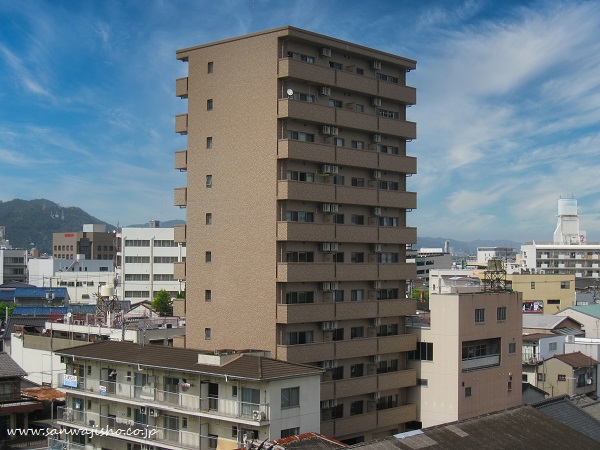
(9, 368)
(543, 321)
(38, 322)
(562, 410)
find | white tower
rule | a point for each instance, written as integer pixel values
(567, 228)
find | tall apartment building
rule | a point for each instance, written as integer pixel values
(296, 214)
(94, 242)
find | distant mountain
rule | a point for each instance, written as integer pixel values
(461, 248)
(30, 223)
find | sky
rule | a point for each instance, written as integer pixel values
(508, 103)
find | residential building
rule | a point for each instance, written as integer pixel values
(427, 259)
(296, 214)
(13, 265)
(146, 260)
(544, 293)
(504, 254)
(536, 348)
(588, 316)
(568, 374)
(569, 253)
(180, 398)
(468, 356)
(551, 324)
(94, 242)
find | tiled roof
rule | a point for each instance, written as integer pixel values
(590, 310)
(562, 410)
(576, 360)
(545, 321)
(9, 368)
(309, 441)
(39, 310)
(40, 292)
(44, 393)
(243, 366)
(7, 295)
(39, 322)
(522, 427)
(535, 337)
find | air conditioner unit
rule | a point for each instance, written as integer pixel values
(377, 247)
(334, 208)
(143, 410)
(331, 364)
(325, 90)
(326, 286)
(376, 322)
(153, 412)
(570, 338)
(533, 360)
(325, 404)
(375, 396)
(326, 207)
(63, 360)
(334, 285)
(377, 174)
(376, 101)
(325, 51)
(376, 65)
(377, 211)
(327, 326)
(377, 138)
(334, 131)
(326, 246)
(326, 129)
(258, 415)
(376, 359)
(376, 284)
(335, 169)
(334, 246)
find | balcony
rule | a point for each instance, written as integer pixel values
(307, 312)
(306, 151)
(395, 127)
(180, 197)
(349, 387)
(397, 199)
(400, 271)
(395, 380)
(357, 196)
(359, 233)
(400, 307)
(181, 160)
(312, 192)
(397, 163)
(128, 429)
(179, 271)
(305, 353)
(146, 395)
(397, 235)
(181, 123)
(403, 94)
(179, 233)
(305, 231)
(394, 416)
(291, 272)
(356, 120)
(301, 70)
(181, 87)
(356, 271)
(480, 362)
(355, 348)
(355, 310)
(306, 111)
(397, 343)
(355, 424)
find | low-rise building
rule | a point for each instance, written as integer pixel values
(588, 316)
(180, 398)
(570, 374)
(544, 293)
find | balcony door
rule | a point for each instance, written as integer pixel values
(250, 401)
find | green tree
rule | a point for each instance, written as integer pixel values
(3, 308)
(416, 294)
(163, 303)
(181, 294)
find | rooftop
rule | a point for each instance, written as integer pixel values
(9, 368)
(544, 321)
(564, 411)
(590, 310)
(576, 360)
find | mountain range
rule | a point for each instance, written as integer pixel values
(30, 223)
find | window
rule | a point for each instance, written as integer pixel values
(467, 392)
(389, 185)
(335, 65)
(165, 259)
(207, 295)
(501, 313)
(388, 330)
(299, 337)
(337, 412)
(338, 142)
(360, 108)
(359, 145)
(387, 258)
(300, 257)
(581, 380)
(360, 71)
(541, 377)
(357, 370)
(338, 257)
(533, 285)
(356, 407)
(357, 295)
(209, 104)
(357, 332)
(210, 67)
(300, 136)
(301, 57)
(234, 391)
(303, 97)
(208, 257)
(388, 294)
(207, 333)
(388, 366)
(338, 179)
(565, 284)
(554, 302)
(335, 103)
(388, 221)
(137, 277)
(387, 149)
(387, 113)
(338, 334)
(424, 352)
(208, 181)
(338, 295)
(357, 257)
(337, 373)
(299, 216)
(552, 346)
(209, 142)
(389, 401)
(208, 218)
(290, 397)
(358, 182)
(338, 218)
(293, 175)
(512, 348)
(357, 219)
(293, 298)
(422, 381)
(479, 315)
(137, 243)
(388, 78)
(290, 432)
(137, 259)
(562, 377)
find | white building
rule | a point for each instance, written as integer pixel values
(183, 399)
(145, 259)
(13, 265)
(569, 253)
(428, 259)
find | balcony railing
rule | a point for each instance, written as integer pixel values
(480, 362)
(147, 395)
(129, 429)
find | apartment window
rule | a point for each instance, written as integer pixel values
(467, 392)
(209, 104)
(338, 179)
(338, 142)
(388, 221)
(207, 333)
(533, 285)
(300, 136)
(335, 103)
(356, 407)
(359, 145)
(301, 57)
(388, 78)
(387, 258)
(388, 294)
(303, 97)
(209, 142)
(137, 243)
(337, 412)
(357, 332)
(300, 257)
(137, 259)
(387, 149)
(479, 315)
(207, 295)
(388, 330)
(299, 216)
(335, 65)
(338, 218)
(299, 337)
(388, 366)
(422, 381)
(360, 108)
(337, 373)
(293, 298)
(290, 432)
(512, 348)
(357, 370)
(501, 313)
(357, 257)
(338, 295)
(554, 302)
(338, 257)
(423, 352)
(208, 181)
(338, 334)
(389, 185)
(357, 219)
(357, 295)
(389, 401)
(358, 182)
(234, 391)
(208, 257)
(165, 259)
(290, 397)
(360, 71)
(552, 346)
(387, 113)
(541, 377)
(293, 175)
(565, 284)
(210, 67)
(208, 218)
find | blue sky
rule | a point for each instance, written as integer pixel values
(508, 102)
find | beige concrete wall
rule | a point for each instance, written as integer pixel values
(547, 287)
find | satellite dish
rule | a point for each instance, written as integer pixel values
(69, 315)
(290, 92)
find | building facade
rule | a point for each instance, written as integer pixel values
(544, 293)
(183, 399)
(94, 242)
(296, 213)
